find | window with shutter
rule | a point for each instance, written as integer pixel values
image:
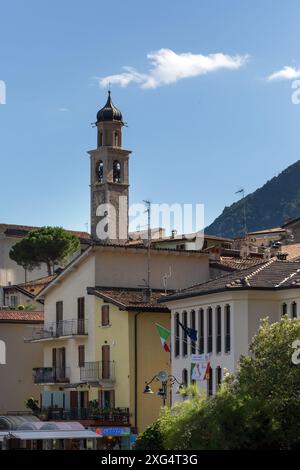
(81, 356)
(105, 315)
(112, 398)
(105, 361)
(80, 316)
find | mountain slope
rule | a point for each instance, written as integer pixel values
(269, 206)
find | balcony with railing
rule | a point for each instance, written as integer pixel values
(99, 371)
(107, 416)
(49, 375)
(61, 329)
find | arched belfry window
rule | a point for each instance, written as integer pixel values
(116, 139)
(117, 172)
(100, 171)
(100, 139)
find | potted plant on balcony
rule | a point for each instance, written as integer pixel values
(33, 405)
(94, 408)
(105, 413)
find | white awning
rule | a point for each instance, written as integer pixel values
(32, 435)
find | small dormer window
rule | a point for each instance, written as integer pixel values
(100, 171)
(116, 172)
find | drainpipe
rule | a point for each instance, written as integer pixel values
(135, 370)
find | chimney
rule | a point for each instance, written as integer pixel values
(173, 233)
(282, 256)
(147, 295)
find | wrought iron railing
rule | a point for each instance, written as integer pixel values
(97, 371)
(111, 415)
(43, 375)
(59, 329)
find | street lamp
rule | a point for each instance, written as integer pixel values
(165, 379)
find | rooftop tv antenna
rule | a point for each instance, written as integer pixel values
(165, 279)
(242, 191)
(148, 210)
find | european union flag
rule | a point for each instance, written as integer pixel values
(189, 331)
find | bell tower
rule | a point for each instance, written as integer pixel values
(109, 178)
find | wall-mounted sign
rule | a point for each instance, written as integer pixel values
(113, 431)
(200, 364)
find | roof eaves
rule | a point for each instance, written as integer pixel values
(57, 278)
(107, 298)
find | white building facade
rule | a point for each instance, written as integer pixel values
(226, 314)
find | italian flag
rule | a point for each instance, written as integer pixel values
(164, 334)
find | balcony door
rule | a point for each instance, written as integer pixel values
(106, 399)
(105, 361)
(83, 399)
(73, 399)
(80, 316)
(59, 363)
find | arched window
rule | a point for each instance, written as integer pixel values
(210, 382)
(294, 310)
(116, 139)
(218, 376)
(184, 335)
(284, 309)
(209, 330)
(218, 330)
(185, 377)
(227, 329)
(100, 139)
(116, 172)
(201, 331)
(100, 171)
(193, 326)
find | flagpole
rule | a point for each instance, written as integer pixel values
(244, 210)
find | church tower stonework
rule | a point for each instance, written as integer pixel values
(109, 178)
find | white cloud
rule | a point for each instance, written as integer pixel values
(63, 110)
(168, 67)
(287, 73)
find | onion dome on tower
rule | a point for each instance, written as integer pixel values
(109, 112)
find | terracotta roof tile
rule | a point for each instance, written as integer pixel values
(292, 251)
(274, 274)
(130, 299)
(21, 316)
(237, 264)
(35, 286)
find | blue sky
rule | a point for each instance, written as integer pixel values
(196, 140)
